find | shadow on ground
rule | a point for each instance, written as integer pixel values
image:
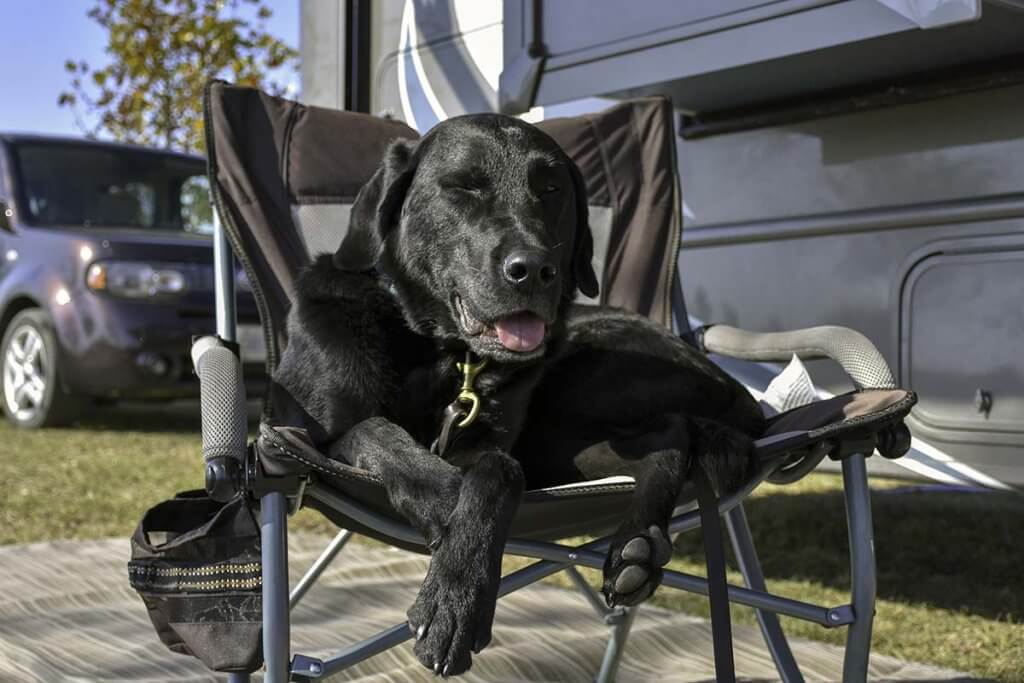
(964, 556)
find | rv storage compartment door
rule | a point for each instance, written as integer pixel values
(963, 342)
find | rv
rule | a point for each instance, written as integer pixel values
(850, 162)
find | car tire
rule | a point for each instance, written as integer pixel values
(30, 391)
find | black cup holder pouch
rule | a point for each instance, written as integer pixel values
(196, 564)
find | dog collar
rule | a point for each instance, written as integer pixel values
(463, 411)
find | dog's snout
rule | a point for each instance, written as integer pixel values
(527, 268)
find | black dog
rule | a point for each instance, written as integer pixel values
(476, 239)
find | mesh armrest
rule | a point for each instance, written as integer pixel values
(852, 350)
(222, 398)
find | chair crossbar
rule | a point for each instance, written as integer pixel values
(564, 555)
(589, 593)
(750, 567)
(317, 568)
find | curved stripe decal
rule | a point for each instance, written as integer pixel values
(420, 106)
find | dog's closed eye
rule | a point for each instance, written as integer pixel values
(470, 182)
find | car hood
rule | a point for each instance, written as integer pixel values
(166, 238)
(134, 244)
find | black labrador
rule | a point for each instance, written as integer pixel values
(474, 240)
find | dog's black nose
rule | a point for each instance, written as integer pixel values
(525, 268)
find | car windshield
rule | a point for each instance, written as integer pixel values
(96, 186)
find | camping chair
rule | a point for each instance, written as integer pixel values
(283, 178)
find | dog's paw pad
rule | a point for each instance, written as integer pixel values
(630, 579)
(633, 568)
(636, 550)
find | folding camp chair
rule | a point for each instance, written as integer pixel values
(283, 177)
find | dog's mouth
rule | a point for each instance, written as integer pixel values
(520, 332)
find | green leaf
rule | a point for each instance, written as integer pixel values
(161, 53)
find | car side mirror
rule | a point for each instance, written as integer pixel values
(6, 214)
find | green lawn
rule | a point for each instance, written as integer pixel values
(950, 586)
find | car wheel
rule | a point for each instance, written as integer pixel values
(32, 395)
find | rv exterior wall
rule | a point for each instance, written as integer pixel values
(905, 222)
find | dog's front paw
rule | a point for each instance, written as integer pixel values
(632, 569)
(453, 613)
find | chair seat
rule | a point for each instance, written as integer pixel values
(579, 508)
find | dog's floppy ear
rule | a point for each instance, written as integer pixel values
(583, 240)
(376, 209)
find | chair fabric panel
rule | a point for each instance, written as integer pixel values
(266, 154)
(246, 133)
(332, 153)
(322, 226)
(626, 154)
(601, 218)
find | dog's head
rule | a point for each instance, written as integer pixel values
(482, 227)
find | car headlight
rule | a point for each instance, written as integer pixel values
(137, 280)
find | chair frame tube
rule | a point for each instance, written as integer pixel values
(750, 567)
(317, 568)
(863, 572)
(616, 645)
(274, 551)
(224, 283)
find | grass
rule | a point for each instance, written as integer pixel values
(951, 590)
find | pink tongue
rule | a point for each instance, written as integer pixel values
(520, 332)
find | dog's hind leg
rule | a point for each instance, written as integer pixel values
(641, 546)
(420, 485)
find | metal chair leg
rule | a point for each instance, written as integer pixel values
(622, 623)
(862, 568)
(589, 593)
(317, 568)
(274, 541)
(238, 678)
(750, 567)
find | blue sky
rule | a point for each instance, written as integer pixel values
(40, 35)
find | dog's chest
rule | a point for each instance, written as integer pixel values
(426, 390)
(421, 394)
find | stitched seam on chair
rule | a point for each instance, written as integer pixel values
(286, 158)
(568, 493)
(616, 202)
(676, 225)
(285, 448)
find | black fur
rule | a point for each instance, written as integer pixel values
(376, 331)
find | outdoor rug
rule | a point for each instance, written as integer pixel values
(68, 614)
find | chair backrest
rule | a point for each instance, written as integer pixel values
(284, 175)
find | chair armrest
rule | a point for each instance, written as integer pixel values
(852, 350)
(224, 415)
